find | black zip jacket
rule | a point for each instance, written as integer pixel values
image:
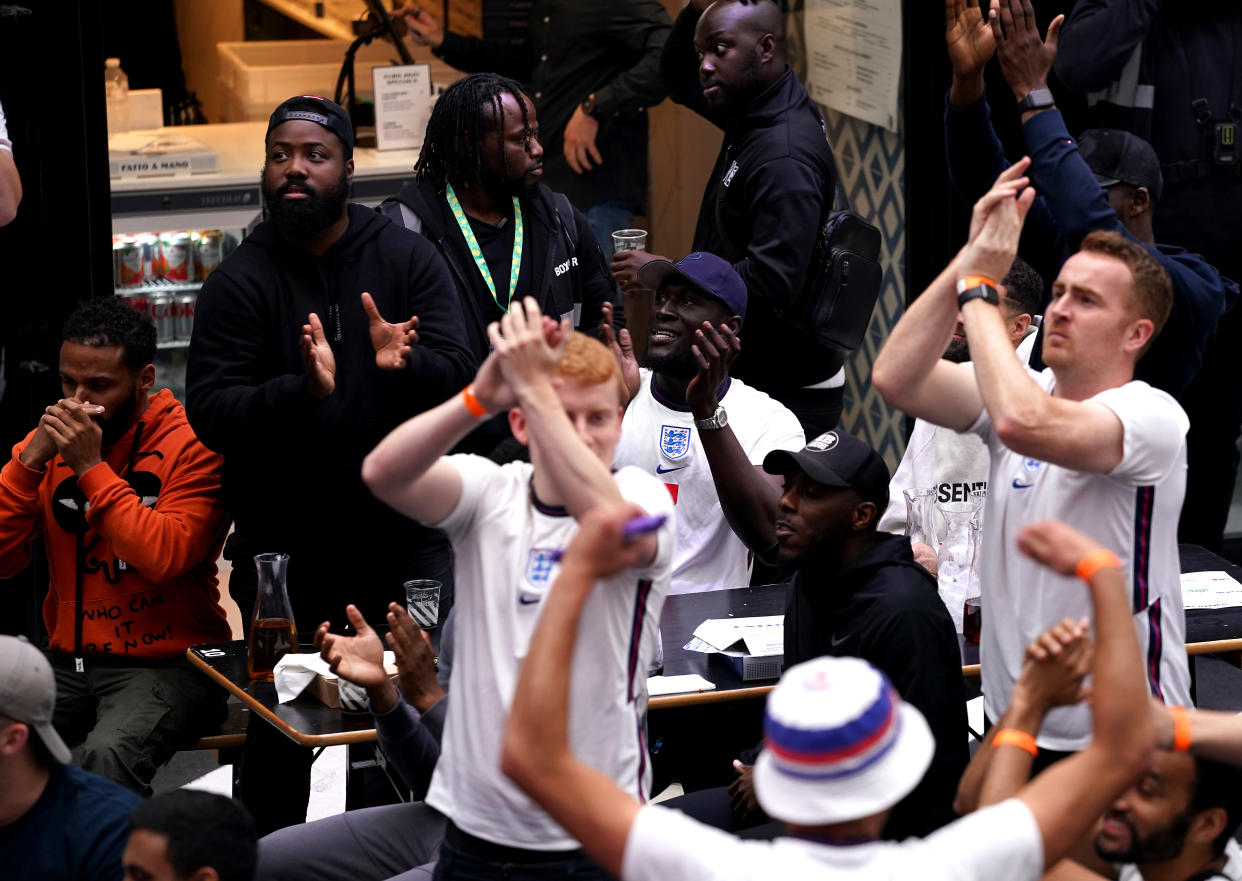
(609, 48)
(562, 267)
(884, 608)
(767, 197)
(292, 465)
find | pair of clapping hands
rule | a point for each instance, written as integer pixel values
(360, 659)
(392, 344)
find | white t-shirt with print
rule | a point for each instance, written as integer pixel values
(659, 437)
(1001, 841)
(1132, 511)
(501, 537)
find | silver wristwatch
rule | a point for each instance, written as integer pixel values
(719, 419)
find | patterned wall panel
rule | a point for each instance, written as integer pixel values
(871, 163)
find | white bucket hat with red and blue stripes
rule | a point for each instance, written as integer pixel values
(839, 744)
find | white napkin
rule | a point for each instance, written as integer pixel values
(295, 671)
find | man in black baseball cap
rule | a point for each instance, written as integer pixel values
(858, 592)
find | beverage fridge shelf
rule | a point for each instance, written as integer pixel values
(173, 344)
(159, 286)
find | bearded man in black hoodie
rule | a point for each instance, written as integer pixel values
(294, 375)
(768, 195)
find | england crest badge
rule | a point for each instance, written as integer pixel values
(539, 562)
(674, 441)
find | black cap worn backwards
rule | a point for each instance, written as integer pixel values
(312, 108)
(837, 458)
(1118, 157)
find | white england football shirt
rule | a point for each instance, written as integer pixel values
(501, 538)
(659, 437)
(1132, 511)
(1001, 841)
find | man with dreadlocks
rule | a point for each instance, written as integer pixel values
(593, 67)
(477, 197)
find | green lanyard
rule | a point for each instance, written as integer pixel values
(473, 243)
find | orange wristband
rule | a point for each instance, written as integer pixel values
(1181, 729)
(472, 403)
(1094, 561)
(967, 282)
(1014, 737)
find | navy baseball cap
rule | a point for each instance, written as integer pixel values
(1118, 157)
(710, 274)
(312, 108)
(837, 458)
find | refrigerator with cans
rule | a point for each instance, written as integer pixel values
(170, 231)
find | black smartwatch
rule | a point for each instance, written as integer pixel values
(1037, 99)
(588, 105)
(976, 287)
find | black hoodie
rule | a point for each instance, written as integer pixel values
(766, 199)
(292, 465)
(884, 608)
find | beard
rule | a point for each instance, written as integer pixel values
(301, 219)
(677, 364)
(958, 351)
(1157, 847)
(120, 421)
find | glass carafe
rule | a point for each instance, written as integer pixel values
(956, 556)
(272, 631)
(919, 525)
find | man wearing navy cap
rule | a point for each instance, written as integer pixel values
(294, 374)
(701, 433)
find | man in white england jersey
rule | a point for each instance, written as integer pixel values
(508, 525)
(1081, 441)
(701, 433)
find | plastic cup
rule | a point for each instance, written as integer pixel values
(422, 601)
(629, 240)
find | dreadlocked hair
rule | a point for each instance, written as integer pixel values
(451, 146)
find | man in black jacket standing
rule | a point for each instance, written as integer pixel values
(592, 68)
(768, 195)
(294, 375)
(477, 197)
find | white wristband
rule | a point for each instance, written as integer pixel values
(4, 130)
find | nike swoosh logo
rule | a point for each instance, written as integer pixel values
(525, 602)
(660, 470)
(836, 642)
(1017, 485)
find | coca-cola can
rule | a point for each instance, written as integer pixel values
(160, 307)
(183, 312)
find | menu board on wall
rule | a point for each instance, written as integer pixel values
(854, 57)
(402, 105)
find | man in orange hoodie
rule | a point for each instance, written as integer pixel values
(127, 501)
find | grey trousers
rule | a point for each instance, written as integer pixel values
(130, 721)
(398, 842)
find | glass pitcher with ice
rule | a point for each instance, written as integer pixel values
(956, 556)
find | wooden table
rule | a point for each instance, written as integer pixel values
(311, 723)
(304, 720)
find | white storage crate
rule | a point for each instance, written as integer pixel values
(256, 76)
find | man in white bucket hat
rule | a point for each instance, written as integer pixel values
(842, 749)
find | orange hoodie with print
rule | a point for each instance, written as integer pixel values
(132, 543)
